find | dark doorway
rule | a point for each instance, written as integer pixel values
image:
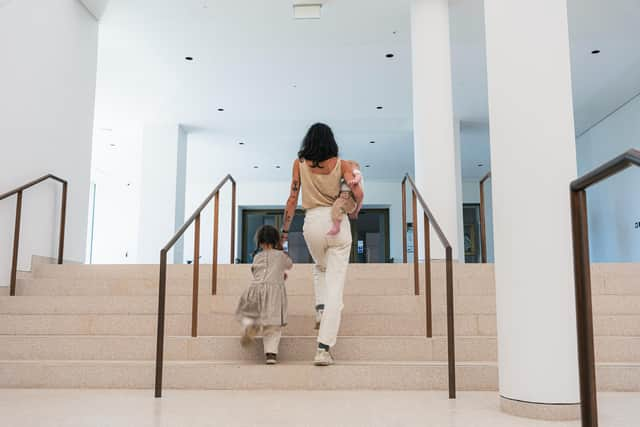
(370, 234)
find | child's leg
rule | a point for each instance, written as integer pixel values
(250, 331)
(271, 338)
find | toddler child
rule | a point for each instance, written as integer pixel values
(263, 306)
(345, 203)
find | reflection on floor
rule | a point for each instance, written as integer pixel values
(107, 408)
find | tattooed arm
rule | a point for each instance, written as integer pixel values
(292, 201)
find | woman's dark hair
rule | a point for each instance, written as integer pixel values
(318, 145)
(267, 235)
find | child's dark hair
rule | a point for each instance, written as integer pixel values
(267, 235)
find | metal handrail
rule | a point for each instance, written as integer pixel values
(582, 273)
(483, 220)
(16, 234)
(162, 293)
(430, 221)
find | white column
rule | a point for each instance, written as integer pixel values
(162, 198)
(433, 124)
(533, 159)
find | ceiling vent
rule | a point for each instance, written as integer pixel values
(307, 10)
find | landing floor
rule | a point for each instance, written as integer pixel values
(138, 408)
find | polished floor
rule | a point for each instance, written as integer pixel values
(106, 408)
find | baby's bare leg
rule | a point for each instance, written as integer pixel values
(337, 213)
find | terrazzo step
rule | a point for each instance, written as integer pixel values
(298, 304)
(295, 348)
(228, 348)
(178, 304)
(226, 324)
(183, 271)
(233, 375)
(134, 287)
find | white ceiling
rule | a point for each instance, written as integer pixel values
(274, 76)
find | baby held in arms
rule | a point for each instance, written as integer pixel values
(346, 203)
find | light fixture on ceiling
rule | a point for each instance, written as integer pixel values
(480, 165)
(367, 166)
(188, 58)
(372, 142)
(277, 166)
(112, 145)
(379, 107)
(595, 51)
(389, 55)
(256, 167)
(221, 109)
(307, 11)
(240, 143)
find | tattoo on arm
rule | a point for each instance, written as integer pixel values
(291, 203)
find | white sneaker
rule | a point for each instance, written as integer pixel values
(323, 358)
(318, 318)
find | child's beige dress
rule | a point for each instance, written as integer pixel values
(265, 300)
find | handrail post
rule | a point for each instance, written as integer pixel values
(16, 244)
(63, 220)
(214, 260)
(404, 221)
(427, 276)
(450, 331)
(584, 320)
(416, 245)
(232, 256)
(162, 293)
(483, 226)
(196, 278)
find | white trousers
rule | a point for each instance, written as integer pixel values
(331, 257)
(271, 338)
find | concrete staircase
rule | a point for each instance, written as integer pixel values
(94, 326)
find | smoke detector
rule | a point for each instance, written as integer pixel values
(307, 10)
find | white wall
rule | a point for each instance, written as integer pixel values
(116, 173)
(613, 205)
(47, 87)
(158, 200)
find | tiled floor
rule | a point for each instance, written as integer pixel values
(102, 408)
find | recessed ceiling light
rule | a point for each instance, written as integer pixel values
(189, 58)
(372, 142)
(379, 107)
(595, 52)
(389, 55)
(220, 109)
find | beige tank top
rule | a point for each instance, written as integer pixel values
(319, 189)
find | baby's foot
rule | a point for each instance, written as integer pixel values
(335, 229)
